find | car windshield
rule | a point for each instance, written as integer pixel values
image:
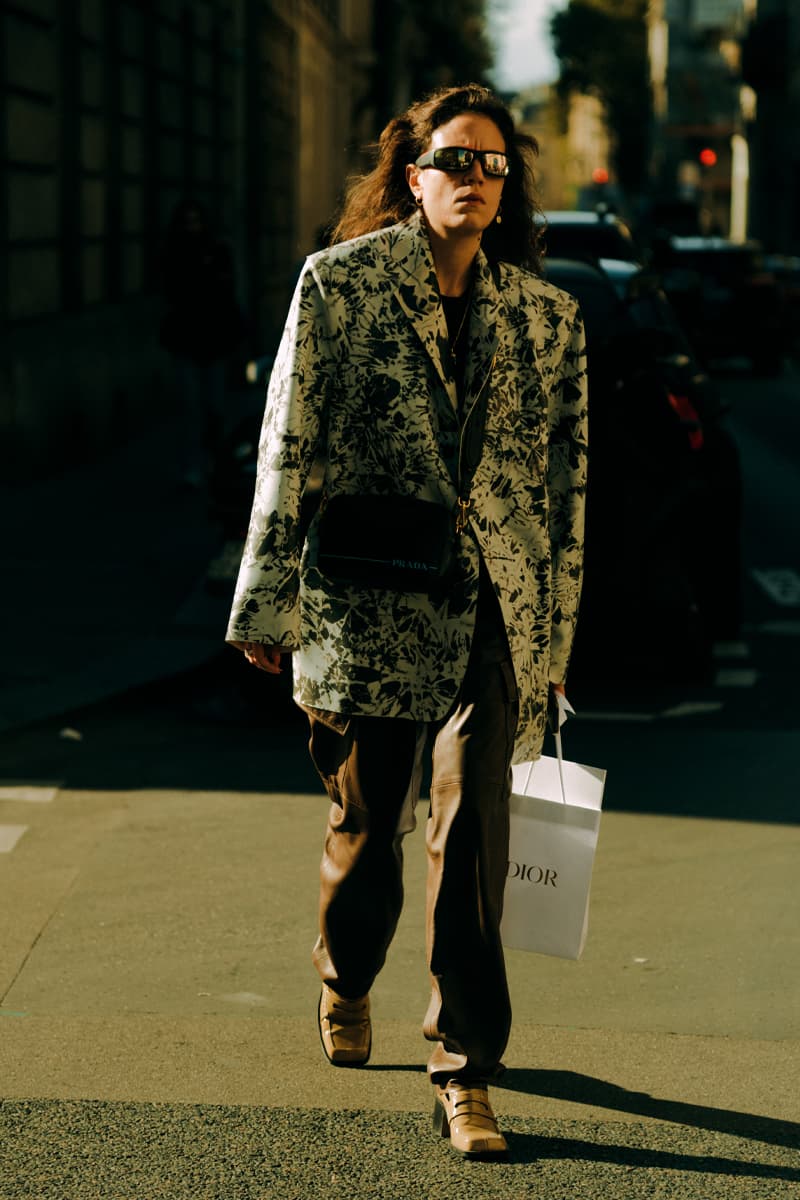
(601, 240)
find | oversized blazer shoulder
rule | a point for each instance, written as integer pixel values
(361, 378)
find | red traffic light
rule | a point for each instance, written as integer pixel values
(708, 157)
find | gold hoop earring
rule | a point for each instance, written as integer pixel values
(418, 200)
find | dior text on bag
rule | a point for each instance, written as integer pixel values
(397, 542)
(555, 819)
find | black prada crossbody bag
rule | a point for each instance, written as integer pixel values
(397, 542)
(401, 542)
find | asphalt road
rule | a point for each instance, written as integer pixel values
(157, 1033)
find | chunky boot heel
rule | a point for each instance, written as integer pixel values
(440, 1123)
(463, 1113)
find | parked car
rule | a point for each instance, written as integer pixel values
(730, 304)
(588, 236)
(646, 303)
(662, 563)
(786, 269)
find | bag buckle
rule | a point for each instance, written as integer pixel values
(462, 509)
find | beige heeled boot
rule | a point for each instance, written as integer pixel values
(345, 1028)
(463, 1113)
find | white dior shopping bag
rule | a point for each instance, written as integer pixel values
(555, 820)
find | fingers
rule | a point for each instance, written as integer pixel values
(272, 659)
(266, 658)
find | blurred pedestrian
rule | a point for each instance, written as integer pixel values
(202, 325)
(427, 360)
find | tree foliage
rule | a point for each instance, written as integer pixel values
(601, 46)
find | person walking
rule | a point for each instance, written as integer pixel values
(426, 361)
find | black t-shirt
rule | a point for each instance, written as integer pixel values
(491, 644)
(457, 315)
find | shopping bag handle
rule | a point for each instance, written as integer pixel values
(560, 757)
(564, 710)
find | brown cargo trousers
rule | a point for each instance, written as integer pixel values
(372, 773)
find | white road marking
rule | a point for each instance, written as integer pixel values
(585, 715)
(29, 793)
(741, 677)
(252, 999)
(693, 708)
(781, 585)
(731, 650)
(780, 628)
(9, 836)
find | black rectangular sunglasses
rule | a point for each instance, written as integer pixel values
(459, 158)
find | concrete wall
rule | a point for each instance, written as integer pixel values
(774, 60)
(333, 85)
(110, 113)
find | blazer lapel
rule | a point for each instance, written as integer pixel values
(418, 296)
(486, 304)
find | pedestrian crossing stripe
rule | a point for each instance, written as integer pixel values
(18, 792)
(780, 628)
(729, 677)
(731, 650)
(9, 836)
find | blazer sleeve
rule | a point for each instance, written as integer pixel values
(266, 605)
(567, 467)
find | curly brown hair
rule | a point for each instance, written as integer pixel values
(383, 197)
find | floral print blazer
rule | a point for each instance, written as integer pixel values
(362, 378)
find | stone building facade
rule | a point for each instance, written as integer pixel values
(112, 113)
(771, 67)
(694, 61)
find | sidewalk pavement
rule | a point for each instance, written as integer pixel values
(157, 1004)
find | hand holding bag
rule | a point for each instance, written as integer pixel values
(555, 820)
